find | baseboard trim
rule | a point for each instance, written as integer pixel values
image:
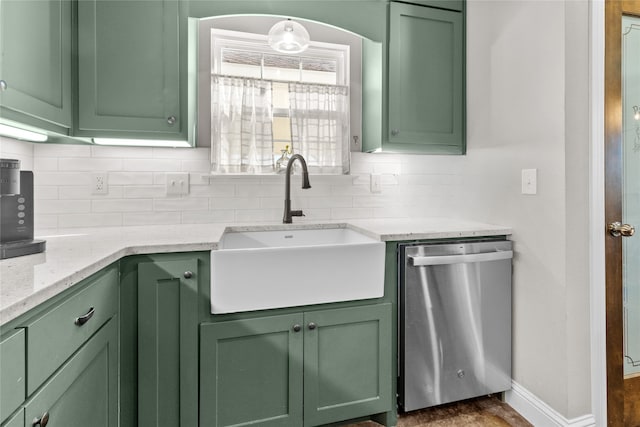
(538, 412)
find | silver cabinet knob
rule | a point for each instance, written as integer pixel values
(171, 120)
(395, 132)
(41, 421)
(312, 326)
(3, 85)
(188, 274)
(297, 328)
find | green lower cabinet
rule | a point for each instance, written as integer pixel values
(16, 421)
(308, 369)
(347, 363)
(12, 366)
(251, 372)
(168, 343)
(84, 391)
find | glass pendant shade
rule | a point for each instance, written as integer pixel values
(288, 37)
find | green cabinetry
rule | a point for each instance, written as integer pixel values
(168, 342)
(36, 63)
(308, 369)
(129, 68)
(16, 421)
(84, 391)
(13, 377)
(426, 80)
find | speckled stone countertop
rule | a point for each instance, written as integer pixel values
(75, 254)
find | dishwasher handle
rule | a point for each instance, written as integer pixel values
(419, 261)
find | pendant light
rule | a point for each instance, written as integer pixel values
(288, 37)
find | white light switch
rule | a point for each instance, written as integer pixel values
(177, 184)
(529, 181)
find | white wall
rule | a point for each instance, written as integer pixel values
(527, 107)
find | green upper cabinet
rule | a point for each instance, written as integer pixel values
(425, 106)
(442, 4)
(35, 63)
(131, 69)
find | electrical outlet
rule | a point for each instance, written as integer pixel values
(99, 184)
(177, 184)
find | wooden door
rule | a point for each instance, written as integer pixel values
(623, 394)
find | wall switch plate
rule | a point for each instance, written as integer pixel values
(177, 184)
(99, 184)
(376, 185)
(529, 181)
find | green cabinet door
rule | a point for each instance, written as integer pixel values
(426, 80)
(16, 421)
(129, 64)
(12, 372)
(84, 391)
(35, 62)
(168, 343)
(251, 372)
(347, 363)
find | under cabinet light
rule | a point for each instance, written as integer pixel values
(17, 133)
(141, 142)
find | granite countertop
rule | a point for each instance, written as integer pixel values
(75, 254)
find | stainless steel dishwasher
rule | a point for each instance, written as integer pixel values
(454, 321)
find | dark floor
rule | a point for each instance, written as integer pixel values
(480, 412)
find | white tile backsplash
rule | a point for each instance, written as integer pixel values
(411, 186)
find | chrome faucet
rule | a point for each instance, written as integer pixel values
(288, 213)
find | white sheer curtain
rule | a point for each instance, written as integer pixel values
(241, 132)
(320, 125)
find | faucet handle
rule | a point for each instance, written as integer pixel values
(297, 213)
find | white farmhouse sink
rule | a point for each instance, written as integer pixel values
(256, 270)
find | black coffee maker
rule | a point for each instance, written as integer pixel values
(16, 211)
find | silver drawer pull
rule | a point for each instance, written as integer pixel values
(84, 318)
(42, 421)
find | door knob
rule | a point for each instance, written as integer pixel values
(617, 229)
(41, 421)
(312, 326)
(188, 275)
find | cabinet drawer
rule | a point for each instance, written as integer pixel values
(12, 380)
(16, 421)
(57, 334)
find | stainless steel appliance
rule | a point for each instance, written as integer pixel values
(455, 321)
(16, 211)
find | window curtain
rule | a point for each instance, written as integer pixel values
(241, 132)
(320, 126)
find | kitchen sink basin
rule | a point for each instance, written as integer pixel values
(256, 270)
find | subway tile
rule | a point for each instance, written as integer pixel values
(201, 165)
(144, 191)
(122, 205)
(234, 203)
(350, 190)
(89, 164)
(218, 190)
(61, 150)
(181, 204)
(63, 206)
(13, 148)
(90, 220)
(258, 215)
(351, 213)
(315, 215)
(204, 217)
(152, 218)
(45, 164)
(331, 202)
(122, 152)
(86, 192)
(374, 201)
(260, 190)
(45, 192)
(62, 178)
(181, 153)
(130, 178)
(151, 165)
(43, 221)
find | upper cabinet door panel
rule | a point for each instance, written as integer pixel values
(128, 59)
(426, 78)
(442, 4)
(35, 59)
